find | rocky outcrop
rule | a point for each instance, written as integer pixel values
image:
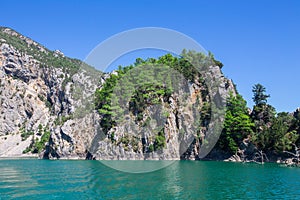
(184, 136)
(37, 98)
(45, 101)
(22, 93)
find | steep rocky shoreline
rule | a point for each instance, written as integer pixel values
(37, 99)
(48, 111)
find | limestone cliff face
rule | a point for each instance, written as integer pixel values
(37, 99)
(23, 91)
(47, 110)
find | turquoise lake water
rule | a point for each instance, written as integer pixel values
(45, 179)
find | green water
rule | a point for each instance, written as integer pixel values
(44, 179)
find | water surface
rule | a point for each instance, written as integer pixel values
(45, 179)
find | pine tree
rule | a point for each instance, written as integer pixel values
(237, 124)
(260, 97)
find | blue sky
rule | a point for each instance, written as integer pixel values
(257, 41)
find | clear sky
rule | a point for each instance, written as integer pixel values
(257, 41)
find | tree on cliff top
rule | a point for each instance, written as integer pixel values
(259, 94)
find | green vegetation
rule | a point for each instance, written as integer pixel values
(273, 132)
(151, 148)
(160, 141)
(270, 132)
(41, 97)
(62, 119)
(47, 57)
(38, 145)
(150, 86)
(146, 94)
(237, 125)
(25, 133)
(127, 141)
(259, 95)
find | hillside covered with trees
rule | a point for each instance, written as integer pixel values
(256, 134)
(271, 135)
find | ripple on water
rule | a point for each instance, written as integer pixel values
(43, 179)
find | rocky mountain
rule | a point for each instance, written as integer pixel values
(36, 95)
(55, 107)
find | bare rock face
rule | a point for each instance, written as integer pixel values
(71, 140)
(22, 89)
(37, 99)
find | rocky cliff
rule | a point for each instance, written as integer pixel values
(36, 97)
(48, 109)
